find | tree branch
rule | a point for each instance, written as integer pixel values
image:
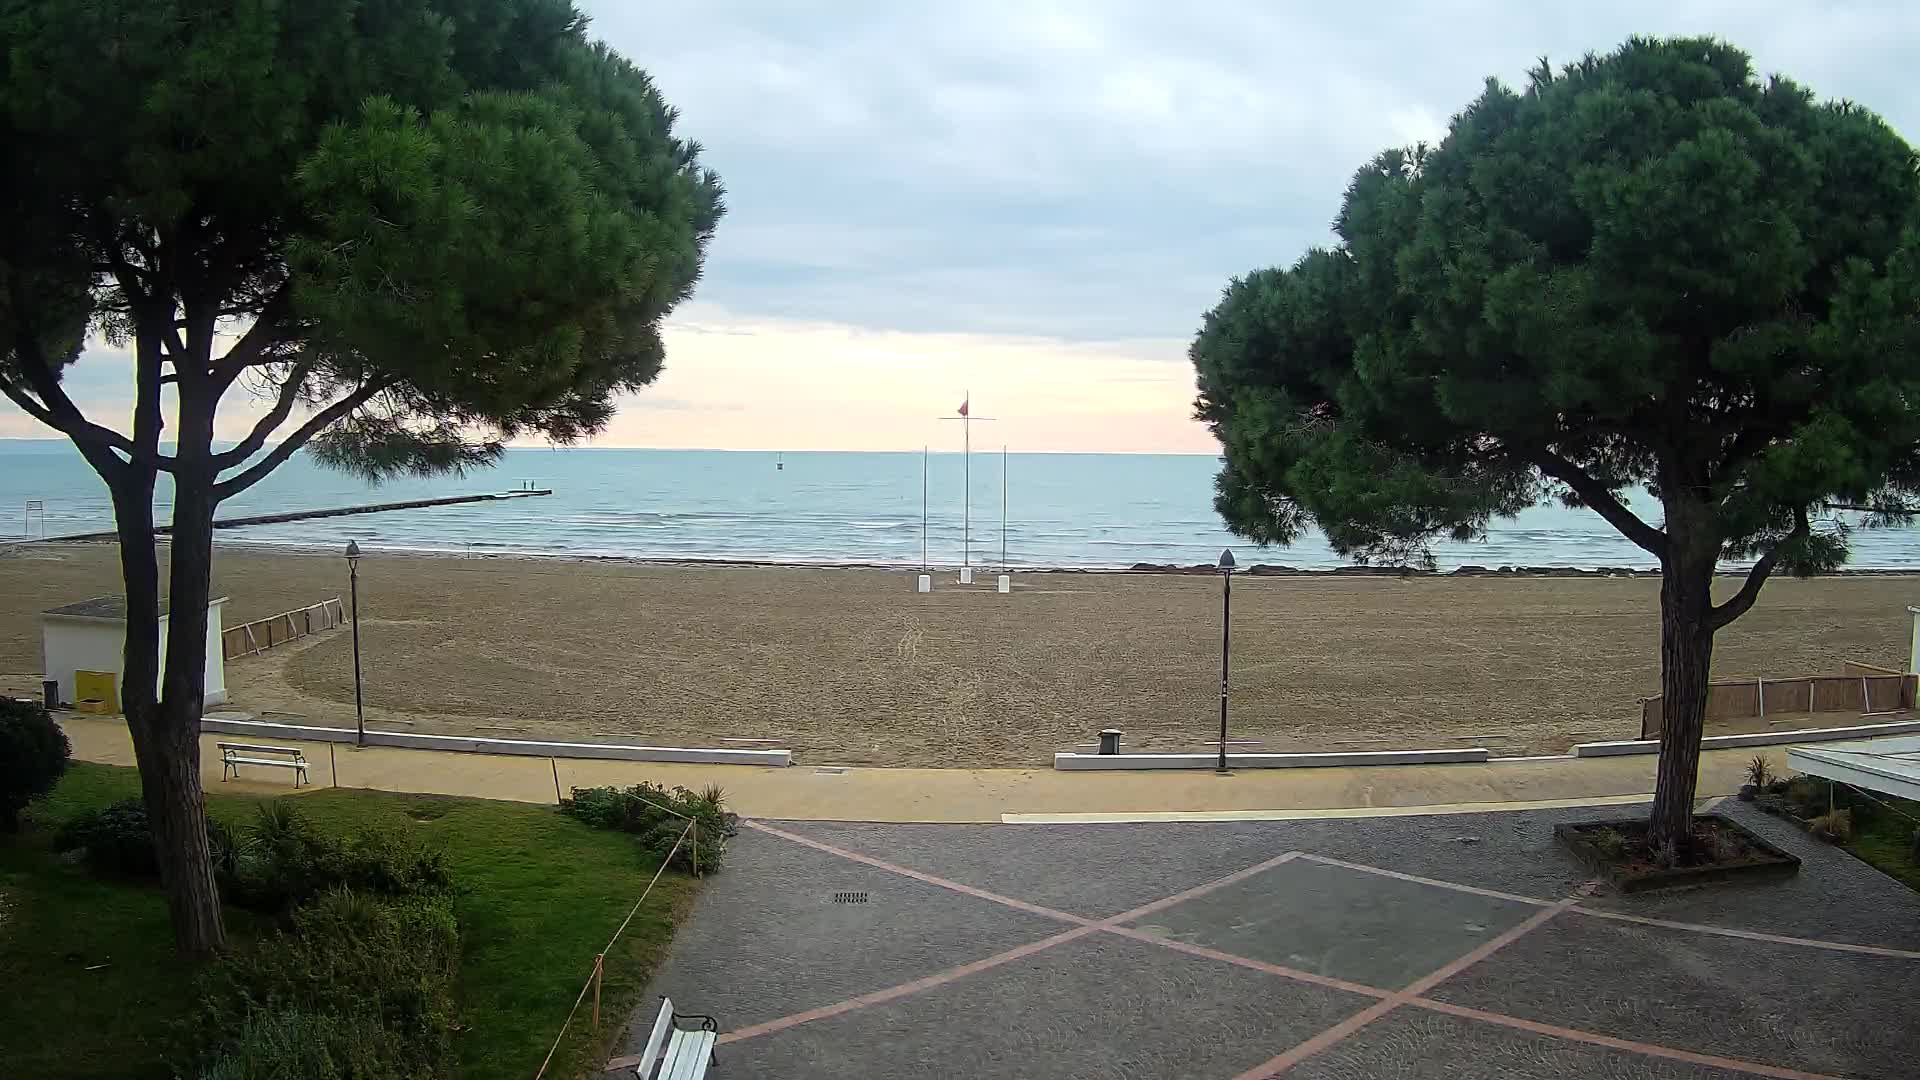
(1739, 603)
(1595, 495)
(262, 431)
(264, 333)
(315, 424)
(56, 410)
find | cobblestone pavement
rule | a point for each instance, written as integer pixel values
(1410, 947)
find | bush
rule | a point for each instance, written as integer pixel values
(362, 985)
(1835, 826)
(657, 815)
(281, 861)
(116, 839)
(33, 756)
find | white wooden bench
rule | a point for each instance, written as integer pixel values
(234, 754)
(679, 1053)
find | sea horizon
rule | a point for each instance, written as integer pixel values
(1063, 510)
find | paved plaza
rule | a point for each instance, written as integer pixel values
(1443, 946)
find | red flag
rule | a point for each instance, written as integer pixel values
(963, 407)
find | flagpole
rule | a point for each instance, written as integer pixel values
(966, 419)
(1003, 506)
(924, 451)
(966, 485)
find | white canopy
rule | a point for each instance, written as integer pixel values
(1889, 766)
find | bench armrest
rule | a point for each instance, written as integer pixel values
(707, 1023)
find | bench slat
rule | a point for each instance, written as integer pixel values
(258, 749)
(687, 1055)
(651, 1053)
(266, 761)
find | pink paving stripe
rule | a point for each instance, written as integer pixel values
(893, 992)
(1418, 880)
(930, 879)
(1248, 962)
(1234, 878)
(1647, 1049)
(1751, 935)
(1345, 1028)
(1086, 926)
(1698, 928)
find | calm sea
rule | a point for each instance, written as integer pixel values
(1085, 510)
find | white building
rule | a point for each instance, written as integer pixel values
(90, 636)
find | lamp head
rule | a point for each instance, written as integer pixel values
(353, 554)
(1226, 560)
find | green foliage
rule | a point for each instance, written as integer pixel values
(284, 860)
(538, 894)
(116, 839)
(369, 979)
(275, 862)
(1808, 796)
(1760, 771)
(1650, 269)
(33, 757)
(1608, 842)
(658, 816)
(1834, 825)
(465, 208)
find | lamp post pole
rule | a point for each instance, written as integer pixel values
(353, 591)
(1226, 648)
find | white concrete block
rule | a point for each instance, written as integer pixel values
(966, 575)
(1466, 755)
(924, 584)
(1006, 583)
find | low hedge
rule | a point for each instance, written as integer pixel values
(360, 987)
(272, 864)
(658, 815)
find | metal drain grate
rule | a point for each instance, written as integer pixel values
(849, 898)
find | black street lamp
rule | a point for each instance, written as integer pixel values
(353, 589)
(1226, 644)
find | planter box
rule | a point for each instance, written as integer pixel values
(1769, 864)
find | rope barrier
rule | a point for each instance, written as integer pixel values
(594, 977)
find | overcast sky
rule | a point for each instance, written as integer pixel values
(1036, 201)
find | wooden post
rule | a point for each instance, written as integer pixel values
(693, 831)
(599, 965)
(557, 800)
(333, 768)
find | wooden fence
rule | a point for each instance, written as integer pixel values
(1866, 689)
(248, 639)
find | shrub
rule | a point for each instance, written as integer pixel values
(283, 861)
(116, 839)
(657, 815)
(33, 757)
(1760, 771)
(1835, 826)
(367, 980)
(1608, 842)
(1807, 796)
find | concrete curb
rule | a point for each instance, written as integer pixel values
(1761, 738)
(1089, 762)
(518, 747)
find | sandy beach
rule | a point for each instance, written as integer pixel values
(851, 666)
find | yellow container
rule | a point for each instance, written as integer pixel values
(95, 692)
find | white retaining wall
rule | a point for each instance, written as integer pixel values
(526, 747)
(1068, 761)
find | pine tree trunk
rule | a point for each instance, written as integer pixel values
(1686, 659)
(175, 804)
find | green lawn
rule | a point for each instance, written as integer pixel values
(1884, 839)
(539, 894)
